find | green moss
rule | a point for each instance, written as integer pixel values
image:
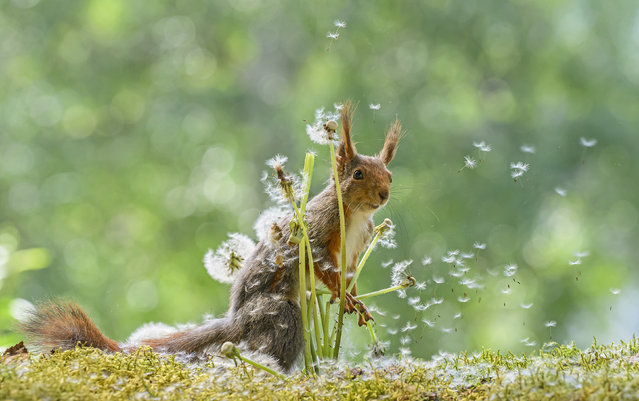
(562, 372)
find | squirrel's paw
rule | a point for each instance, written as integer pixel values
(358, 306)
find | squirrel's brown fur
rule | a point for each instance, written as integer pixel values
(264, 314)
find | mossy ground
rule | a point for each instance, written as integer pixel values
(555, 372)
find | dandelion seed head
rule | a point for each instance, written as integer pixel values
(387, 240)
(277, 160)
(398, 273)
(587, 143)
(317, 132)
(224, 263)
(264, 222)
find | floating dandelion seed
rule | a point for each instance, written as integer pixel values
(516, 174)
(420, 285)
(463, 299)
(479, 245)
(404, 340)
(339, 23)
(438, 280)
(582, 254)
(560, 191)
(615, 291)
(447, 330)
(413, 301)
(408, 327)
(574, 262)
(527, 342)
(387, 263)
(520, 166)
(449, 259)
(375, 107)
(482, 146)
(468, 255)
(587, 143)
(332, 35)
(506, 291)
(421, 307)
(550, 323)
(406, 352)
(526, 306)
(436, 301)
(392, 332)
(510, 270)
(527, 149)
(426, 260)
(469, 163)
(457, 315)
(395, 317)
(454, 252)
(224, 263)
(428, 323)
(456, 273)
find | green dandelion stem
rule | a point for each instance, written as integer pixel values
(408, 283)
(379, 231)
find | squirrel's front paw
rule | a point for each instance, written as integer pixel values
(358, 306)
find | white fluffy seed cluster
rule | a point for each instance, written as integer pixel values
(224, 263)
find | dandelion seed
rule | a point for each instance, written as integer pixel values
(436, 301)
(420, 285)
(277, 160)
(574, 262)
(454, 252)
(467, 255)
(421, 307)
(426, 260)
(339, 23)
(463, 299)
(478, 245)
(482, 146)
(428, 323)
(447, 330)
(582, 254)
(375, 106)
(560, 191)
(510, 270)
(449, 259)
(409, 327)
(466, 282)
(392, 332)
(527, 149)
(527, 342)
(492, 272)
(526, 306)
(406, 352)
(469, 163)
(387, 263)
(224, 263)
(413, 301)
(377, 310)
(456, 273)
(265, 221)
(615, 291)
(438, 280)
(520, 166)
(395, 317)
(506, 291)
(457, 315)
(550, 323)
(404, 340)
(516, 174)
(587, 143)
(332, 35)
(401, 294)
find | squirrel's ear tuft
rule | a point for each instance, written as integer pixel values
(390, 145)
(346, 147)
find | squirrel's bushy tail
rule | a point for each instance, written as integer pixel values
(63, 325)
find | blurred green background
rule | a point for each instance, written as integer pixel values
(133, 136)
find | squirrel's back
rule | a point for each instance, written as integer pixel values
(63, 325)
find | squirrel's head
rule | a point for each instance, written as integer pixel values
(365, 180)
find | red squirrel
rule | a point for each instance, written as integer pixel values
(264, 312)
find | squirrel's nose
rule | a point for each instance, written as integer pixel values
(383, 195)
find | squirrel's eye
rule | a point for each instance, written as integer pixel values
(358, 175)
(391, 180)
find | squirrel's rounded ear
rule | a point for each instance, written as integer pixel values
(390, 145)
(346, 147)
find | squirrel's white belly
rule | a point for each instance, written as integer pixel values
(357, 233)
